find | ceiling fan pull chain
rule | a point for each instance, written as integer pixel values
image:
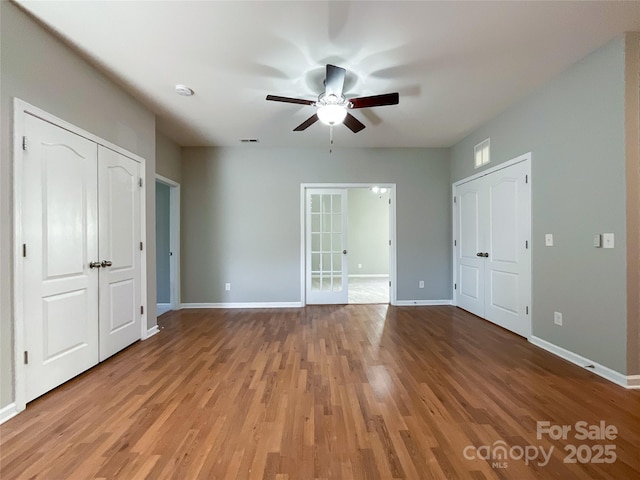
(330, 139)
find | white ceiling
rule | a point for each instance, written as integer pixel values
(455, 64)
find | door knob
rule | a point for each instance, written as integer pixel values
(344, 252)
(95, 265)
(479, 254)
(486, 255)
(106, 263)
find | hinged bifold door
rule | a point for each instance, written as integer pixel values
(326, 246)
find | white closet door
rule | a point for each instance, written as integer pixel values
(59, 222)
(120, 292)
(470, 242)
(326, 249)
(493, 259)
(508, 267)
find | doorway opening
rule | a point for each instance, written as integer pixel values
(348, 243)
(368, 259)
(167, 245)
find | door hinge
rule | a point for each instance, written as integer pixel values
(389, 242)
(455, 286)
(526, 309)
(24, 143)
(26, 358)
(24, 249)
(141, 246)
(140, 181)
(454, 200)
(389, 201)
(526, 179)
(526, 244)
(141, 310)
(455, 243)
(389, 282)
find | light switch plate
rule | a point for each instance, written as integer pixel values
(608, 240)
(548, 239)
(597, 240)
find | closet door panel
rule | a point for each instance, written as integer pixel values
(120, 254)
(59, 225)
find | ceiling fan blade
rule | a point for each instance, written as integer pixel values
(307, 123)
(376, 100)
(353, 123)
(276, 98)
(334, 83)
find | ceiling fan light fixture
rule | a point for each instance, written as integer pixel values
(332, 114)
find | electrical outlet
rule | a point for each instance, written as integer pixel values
(421, 284)
(557, 318)
(227, 287)
(359, 265)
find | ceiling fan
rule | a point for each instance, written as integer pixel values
(332, 105)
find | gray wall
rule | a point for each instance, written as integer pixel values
(163, 245)
(368, 232)
(574, 127)
(39, 69)
(168, 162)
(241, 218)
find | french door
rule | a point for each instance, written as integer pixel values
(81, 260)
(492, 253)
(326, 246)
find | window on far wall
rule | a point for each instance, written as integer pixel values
(481, 153)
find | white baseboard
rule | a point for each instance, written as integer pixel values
(630, 381)
(243, 305)
(162, 308)
(151, 332)
(370, 275)
(420, 303)
(8, 412)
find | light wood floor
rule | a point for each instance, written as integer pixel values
(358, 391)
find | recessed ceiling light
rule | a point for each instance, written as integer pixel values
(184, 90)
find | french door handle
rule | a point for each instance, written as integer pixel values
(95, 265)
(106, 263)
(480, 254)
(344, 252)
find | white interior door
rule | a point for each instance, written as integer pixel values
(469, 243)
(493, 260)
(507, 275)
(120, 254)
(326, 246)
(59, 225)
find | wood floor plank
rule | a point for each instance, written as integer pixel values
(329, 392)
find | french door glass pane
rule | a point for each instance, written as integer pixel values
(326, 242)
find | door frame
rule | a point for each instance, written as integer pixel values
(20, 110)
(392, 232)
(519, 159)
(174, 240)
